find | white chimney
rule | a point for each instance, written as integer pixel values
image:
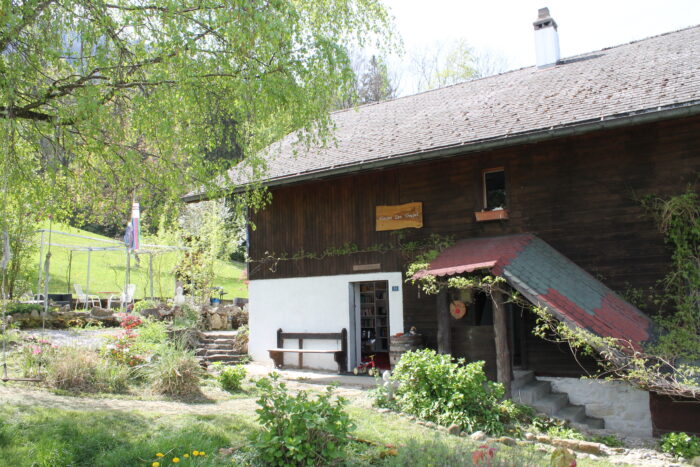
(546, 39)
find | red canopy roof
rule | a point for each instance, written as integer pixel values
(548, 279)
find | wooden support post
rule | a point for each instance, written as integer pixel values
(443, 323)
(504, 370)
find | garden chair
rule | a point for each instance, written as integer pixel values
(30, 298)
(125, 298)
(84, 298)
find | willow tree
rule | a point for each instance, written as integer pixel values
(104, 100)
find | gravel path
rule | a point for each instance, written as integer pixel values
(90, 338)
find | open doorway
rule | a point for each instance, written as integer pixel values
(370, 319)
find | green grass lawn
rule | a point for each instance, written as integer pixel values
(53, 437)
(107, 268)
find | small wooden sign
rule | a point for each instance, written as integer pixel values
(400, 216)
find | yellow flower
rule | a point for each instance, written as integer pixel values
(202, 453)
(186, 455)
(195, 453)
(176, 460)
(160, 454)
(155, 464)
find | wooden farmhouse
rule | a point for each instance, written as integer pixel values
(536, 174)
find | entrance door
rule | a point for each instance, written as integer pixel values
(370, 319)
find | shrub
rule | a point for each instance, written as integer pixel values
(434, 388)
(144, 305)
(34, 357)
(152, 333)
(681, 444)
(81, 370)
(110, 377)
(187, 317)
(130, 322)
(298, 430)
(72, 369)
(124, 349)
(174, 371)
(231, 377)
(13, 308)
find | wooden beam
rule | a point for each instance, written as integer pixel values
(504, 369)
(444, 338)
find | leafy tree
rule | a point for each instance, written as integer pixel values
(105, 100)
(373, 81)
(160, 95)
(444, 64)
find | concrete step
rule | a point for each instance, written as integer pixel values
(521, 378)
(218, 341)
(594, 423)
(207, 352)
(572, 413)
(216, 346)
(219, 335)
(531, 392)
(231, 358)
(551, 403)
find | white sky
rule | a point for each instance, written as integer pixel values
(504, 27)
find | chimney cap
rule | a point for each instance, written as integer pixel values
(544, 19)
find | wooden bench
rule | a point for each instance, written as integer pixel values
(339, 355)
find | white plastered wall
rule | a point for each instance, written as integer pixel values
(311, 304)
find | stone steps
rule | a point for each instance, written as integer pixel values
(217, 347)
(528, 390)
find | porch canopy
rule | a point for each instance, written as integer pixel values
(547, 279)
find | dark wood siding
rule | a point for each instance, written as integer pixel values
(674, 414)
(580, 194)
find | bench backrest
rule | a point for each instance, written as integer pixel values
(342, 336)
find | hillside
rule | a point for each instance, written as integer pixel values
(107, 268)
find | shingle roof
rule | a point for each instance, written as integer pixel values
(548, 279)
(645, 76)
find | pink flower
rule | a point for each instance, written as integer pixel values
(36, 350)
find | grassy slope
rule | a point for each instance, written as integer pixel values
(55, 437)
(107, 269)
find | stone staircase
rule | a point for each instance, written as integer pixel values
(217, 346)
(538, 394)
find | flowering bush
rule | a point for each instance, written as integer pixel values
(483, 455)
(130, 322)
(124, 350)
(35, 356)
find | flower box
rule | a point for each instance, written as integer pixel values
(495, 215)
